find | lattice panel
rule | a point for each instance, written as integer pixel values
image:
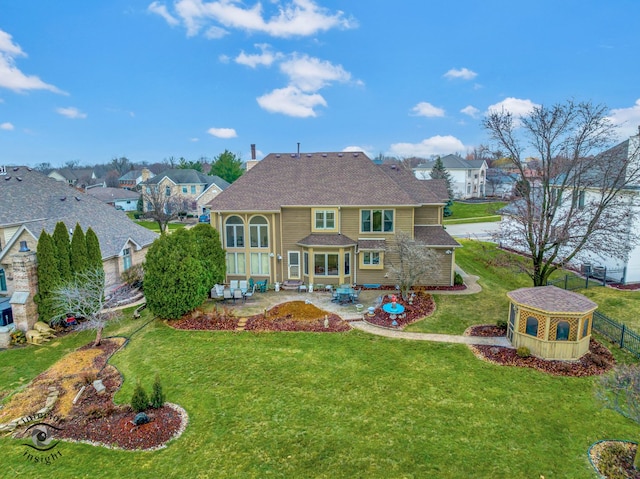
(573, 328)
(542, 322)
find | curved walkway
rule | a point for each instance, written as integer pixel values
(441, 338)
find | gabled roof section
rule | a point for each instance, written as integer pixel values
(112, 194)
(130, 175)
(435, 235)
(324, 239)
(38, 202)
(321, 179)
(454, 162)
(181, 176)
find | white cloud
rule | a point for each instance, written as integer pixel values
(365, 150)
(194, 140)
(213, 33)
(159, 9)
(10, 76)
(295, 18)
(470, 110)
(436, 145)
(516, 106)
(427, 109)
(6, 126)
(71, 112)
(627, 119)
(291, 101)
(463, 73)
(311, 74)
(222, 132)
(266, 57)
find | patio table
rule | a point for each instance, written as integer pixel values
(344, 295)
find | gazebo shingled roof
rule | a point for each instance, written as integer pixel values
(552, 299)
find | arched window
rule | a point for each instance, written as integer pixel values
(562, 331)
(585, 327)
(235, 232)
(259, 232)
(532, 326)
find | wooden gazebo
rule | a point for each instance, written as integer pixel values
(551, 322)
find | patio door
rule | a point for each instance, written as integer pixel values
(294, 264)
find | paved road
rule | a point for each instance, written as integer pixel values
(480, 231)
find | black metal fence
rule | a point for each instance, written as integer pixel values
(573, 282)
(617, 332)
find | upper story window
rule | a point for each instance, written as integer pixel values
(324, 220)
(259, 232)
(376, 221)
(234, 228)
(184, 190)
(167, 191)
(126, 259)
(193, 189)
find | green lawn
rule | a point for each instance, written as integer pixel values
(474, 212)
(340, 405)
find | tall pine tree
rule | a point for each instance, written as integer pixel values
(210, 253)
(48, 276)
(63, 251)
(79, 261)
(439, 172)
(94, 256)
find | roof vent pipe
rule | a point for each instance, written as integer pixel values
(23, 247)
(298, 150)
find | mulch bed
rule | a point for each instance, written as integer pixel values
(95, 418)
(297, 316)
(597, 361)
(290, 316)
(423, 305)
(614, 459)
(459, 287)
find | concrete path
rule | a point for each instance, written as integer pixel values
(441, 338)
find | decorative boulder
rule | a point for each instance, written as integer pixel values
(140, 419)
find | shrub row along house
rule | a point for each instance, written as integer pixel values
(32, 202)
(328, 218)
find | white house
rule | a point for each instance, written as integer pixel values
(468, 176)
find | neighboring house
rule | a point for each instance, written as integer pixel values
(32, 202)
(500, 183)
(125, 200)
(623, 269)
(78, 177)
(468, 177)
(328, 218)
(196, 187)
(133, 178)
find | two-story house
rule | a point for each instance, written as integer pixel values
(328, 218)
(197, 188)
(131, 179)
(468, 177)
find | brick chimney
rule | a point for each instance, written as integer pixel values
(145, 173)
(252, 162)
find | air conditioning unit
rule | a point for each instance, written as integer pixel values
(585, 268)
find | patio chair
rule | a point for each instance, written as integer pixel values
(217, 292)
(251, 283)
(237, 294)
(243, 285)
(263, 285)
(227, 294)
(355, 295)
(249, 293)
(233, 284)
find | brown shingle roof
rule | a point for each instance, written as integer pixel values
(434, 235)
(347, 179)
(324, 239)
(374, 245)
(552, 299)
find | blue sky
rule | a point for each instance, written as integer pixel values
(90, 81)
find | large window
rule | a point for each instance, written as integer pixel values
(235, 232)
(562, 331)
(585, 327)
(369, 258)
(259, 232)
(184, 190)
(325, 220)
(193, 189)
(236, 263)
(325, 264)
(260, 263)
(347, 263)
(167, 191)
(376, 221)
(126, 259)
(532, 326)
(294, 264)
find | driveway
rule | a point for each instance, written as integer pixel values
(479, 231)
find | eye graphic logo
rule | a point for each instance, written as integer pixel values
(41, 435)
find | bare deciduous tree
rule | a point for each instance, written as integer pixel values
(162, 208)
(415, 262)
(572, 202)
(84, 297)
(620, 390)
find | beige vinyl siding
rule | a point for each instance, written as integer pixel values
(8, 234)
(428, 215)
(296, 225)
